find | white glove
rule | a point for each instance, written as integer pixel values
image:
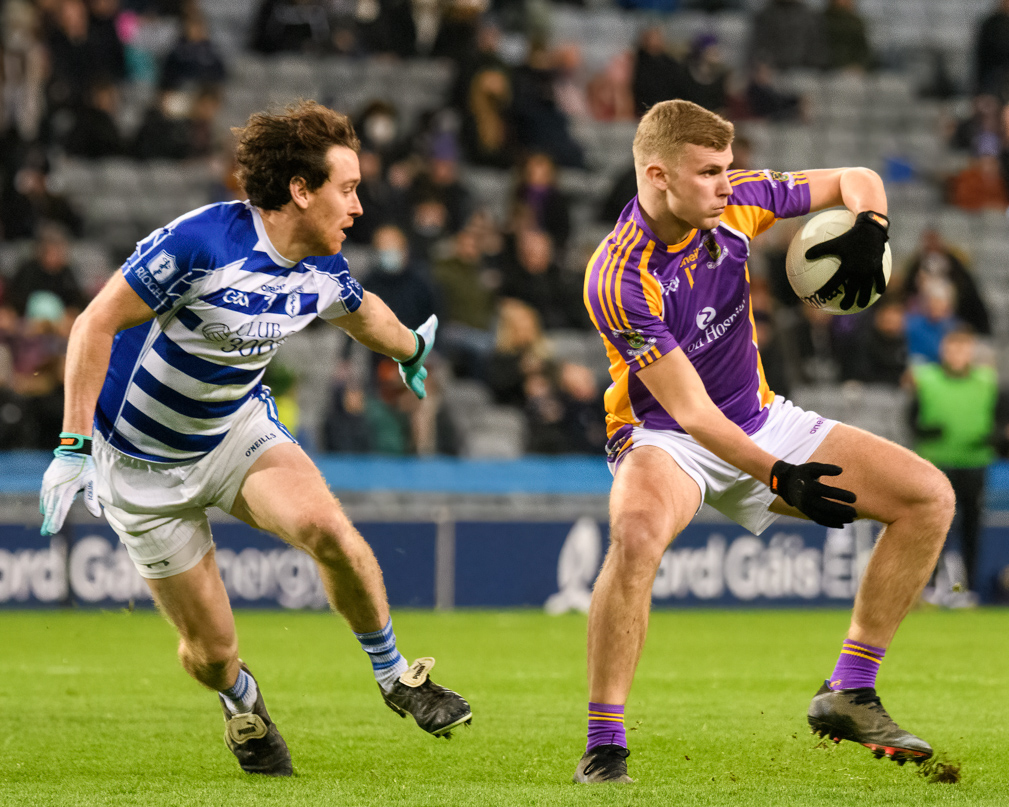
(66, 476)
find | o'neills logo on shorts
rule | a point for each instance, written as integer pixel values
(264, 439)
(816, 426)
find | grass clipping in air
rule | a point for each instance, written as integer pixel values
(939, 770)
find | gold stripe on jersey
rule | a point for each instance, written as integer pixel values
(613, 290)
(588, 280)
(765, 395)
(750, 220)
(614, 251)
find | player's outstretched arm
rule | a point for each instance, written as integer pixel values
(376, 327)
(71, 471)
(861, 248)
(679, 389)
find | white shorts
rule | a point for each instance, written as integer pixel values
(789, 433)
(159, 509)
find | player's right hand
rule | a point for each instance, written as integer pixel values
(800, 487)
(861, 253)
(413, 371)
(67, 475)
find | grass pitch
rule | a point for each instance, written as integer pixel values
(95, 710)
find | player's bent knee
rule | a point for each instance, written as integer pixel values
(328, 538)
(641, 535)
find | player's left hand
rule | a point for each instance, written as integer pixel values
(66, 476)
(413, 371)
(861, 253)
(800, 487)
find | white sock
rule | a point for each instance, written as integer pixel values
(241, 697)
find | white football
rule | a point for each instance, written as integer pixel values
(808, 276)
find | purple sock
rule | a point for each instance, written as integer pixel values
(606, 725)
(857, 665)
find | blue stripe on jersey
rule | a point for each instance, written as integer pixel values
(189, 318)
(126, 348)
(196, 443)
(201, 369)
(120, 443)
(183, 404)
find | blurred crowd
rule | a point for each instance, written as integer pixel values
(503, 288)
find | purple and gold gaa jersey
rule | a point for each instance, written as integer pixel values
(647, 298)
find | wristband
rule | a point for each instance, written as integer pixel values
(71, 443)
(876, 218)
(421, 344)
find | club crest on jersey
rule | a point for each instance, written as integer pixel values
(774, 177)
(639, 343)
(216, 331)
(715, 251)
(162, 266)
(293, 303)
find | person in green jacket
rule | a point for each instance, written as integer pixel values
(953, 415)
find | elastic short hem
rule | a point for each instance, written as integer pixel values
(179, 561)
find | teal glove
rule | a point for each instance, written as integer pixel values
(412, 370)
(72, 471)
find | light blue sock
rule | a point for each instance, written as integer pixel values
(386, 661)
(241, 697)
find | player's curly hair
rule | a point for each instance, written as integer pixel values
(274, 148)
(670, 125)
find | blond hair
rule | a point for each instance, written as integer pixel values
(670, 125)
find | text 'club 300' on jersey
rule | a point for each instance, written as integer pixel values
(224, 300)
(647, 298)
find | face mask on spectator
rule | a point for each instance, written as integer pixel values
(392, 260)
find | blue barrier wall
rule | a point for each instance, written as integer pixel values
(490, 564)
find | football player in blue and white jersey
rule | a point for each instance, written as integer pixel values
(166, 414)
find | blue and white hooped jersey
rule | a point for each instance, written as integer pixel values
(224, 300)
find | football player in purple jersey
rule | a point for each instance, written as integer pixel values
(691, 418)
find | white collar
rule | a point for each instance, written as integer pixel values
(264, 244)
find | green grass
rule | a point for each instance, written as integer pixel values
(95, 710)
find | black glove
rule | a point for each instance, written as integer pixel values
(861, 253)
(798, 485)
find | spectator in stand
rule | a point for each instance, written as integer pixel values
(488, 127)
(980, 185)
(467, 291)
(706, 78)
(27, 202)
(539, 122)
(981, 133)
(991, 53)
(380, 129)
(846, 45)
(401, 283)
(584, 421)
(166, 132)
(393, 29)
(194, 61)
(624, 188)
(26, 68)
(203, 134)
(94, 133)
(545, 415)
(657, 75)
(49, 271)
(764, 100)
(520, 350)
(786, 34)
(884, 352)
(438, 181)
(535, 278)
(538, 203)
(382, 203)
(39, 356)
(82, 50)
(953, 416)
(934, 318)
(609, 93)
(484, 55)
(16, 426)
(291, 26)
(935, 259)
